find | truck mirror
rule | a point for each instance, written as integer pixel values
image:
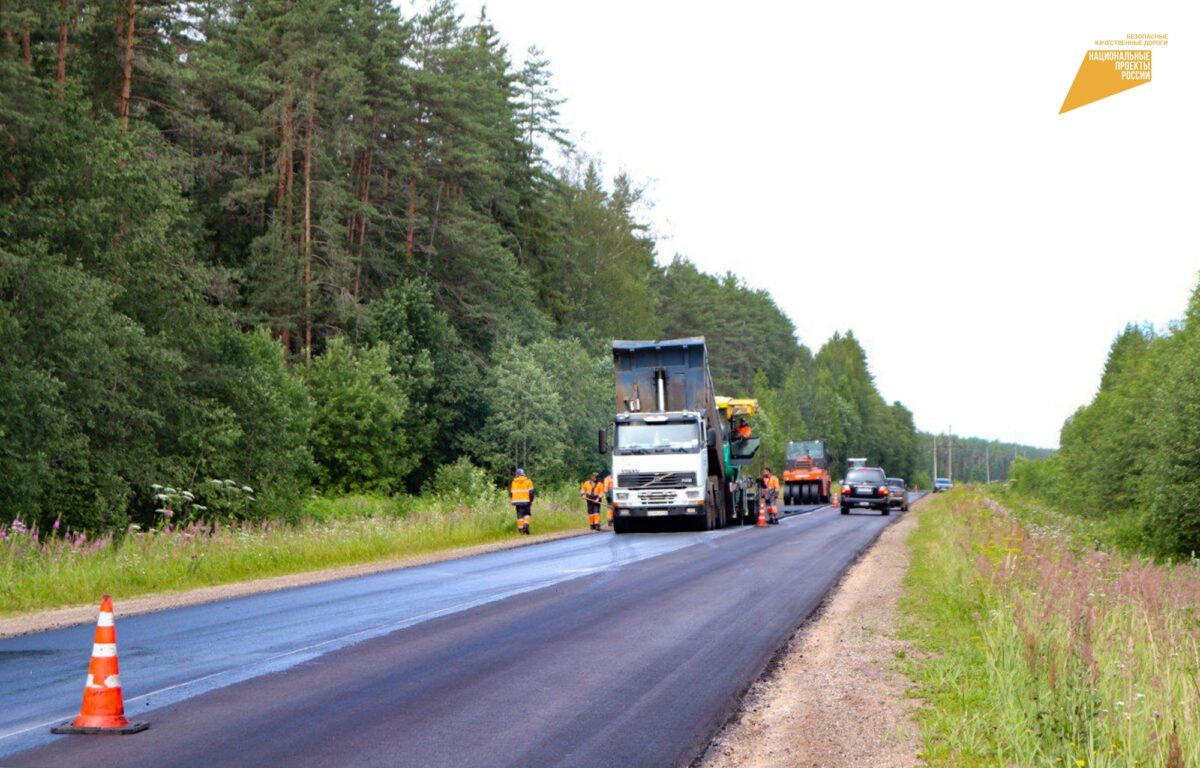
(712, 438)
(603, 441)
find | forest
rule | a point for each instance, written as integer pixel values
(975, 459)
(1130, 459)
(299, 247)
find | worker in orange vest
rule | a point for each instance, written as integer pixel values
(608, 496)
(592, 491)
(743, 430)
(520, 493)
(770, 497)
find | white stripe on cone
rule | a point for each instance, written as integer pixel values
(113, 681)
(104, 650)
(105, 620)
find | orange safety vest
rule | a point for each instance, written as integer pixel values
(744, 431)
(519, 490)
(592, 491)
(608, 481)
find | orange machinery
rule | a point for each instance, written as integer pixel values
(806, 474)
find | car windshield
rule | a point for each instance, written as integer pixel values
(865, 476)
(669, 436)
(895, 481)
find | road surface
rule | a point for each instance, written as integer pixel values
(594, 651)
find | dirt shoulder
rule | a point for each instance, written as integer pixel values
(66, 617)
(833, 699)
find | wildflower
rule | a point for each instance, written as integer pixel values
(1158, 715)
(1139, 696)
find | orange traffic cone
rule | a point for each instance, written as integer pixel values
(103, 709)
(762, 516)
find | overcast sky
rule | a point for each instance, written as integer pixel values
(901, 170)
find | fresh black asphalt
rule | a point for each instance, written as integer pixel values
(632, 659)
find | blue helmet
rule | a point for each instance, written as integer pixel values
(521, 472)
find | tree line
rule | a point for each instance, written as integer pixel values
(975, 459)
(320, 246)
(1131, 457)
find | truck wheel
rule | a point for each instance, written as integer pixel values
(622, 525)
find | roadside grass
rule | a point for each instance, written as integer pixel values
(42, 570)
(1036, 652)
(1121, 532)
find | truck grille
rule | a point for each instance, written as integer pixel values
(657, 497)
(665, 480)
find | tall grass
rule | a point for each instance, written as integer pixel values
(1039, 652)
(40, 570)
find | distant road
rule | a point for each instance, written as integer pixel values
(594, 651)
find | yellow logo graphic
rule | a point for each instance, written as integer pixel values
(1104, 73)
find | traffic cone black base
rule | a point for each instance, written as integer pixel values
(66, 729)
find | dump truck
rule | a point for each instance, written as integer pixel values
(739, 454)
(806, 477)
(669, 441)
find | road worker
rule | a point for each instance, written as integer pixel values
(520, 493)
(743, 430)
(592, 491)
(608, 496)
(770, 495)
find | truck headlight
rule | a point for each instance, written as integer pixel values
(693, 494)
(621, 496)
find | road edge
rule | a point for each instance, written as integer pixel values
(773, 663)
(59, 618)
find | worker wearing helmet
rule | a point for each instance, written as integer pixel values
(770, 495)
(608, 496)
(520, 493)
(592, 491)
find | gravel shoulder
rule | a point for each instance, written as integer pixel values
(833, 698)
(84, 614)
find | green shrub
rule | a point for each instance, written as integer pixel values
(357, 435)
(461, 479)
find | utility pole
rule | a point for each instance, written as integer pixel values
(950, 454)
(987, 461)
(935, 459)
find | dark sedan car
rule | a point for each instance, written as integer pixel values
(898, 493)
(866, 488)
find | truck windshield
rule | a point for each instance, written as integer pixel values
(678, 436)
